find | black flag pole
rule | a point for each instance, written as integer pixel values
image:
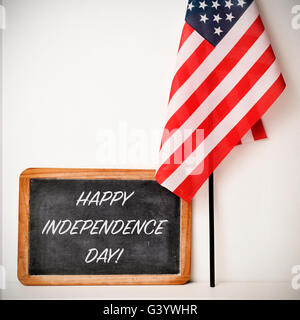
(211, 231)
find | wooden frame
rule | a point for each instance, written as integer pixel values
(75, 280)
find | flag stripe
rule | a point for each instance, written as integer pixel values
(190, 65)
(232, 119)
(216, 76)
(258, 131)
(237, 73)
(188, 188)
(221, 111)
(211, 62)
(188, 48)
(186, 32)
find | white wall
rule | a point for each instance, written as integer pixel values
(73, 68)
(2, 276)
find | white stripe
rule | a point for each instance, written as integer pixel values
(224, 127)
(221, 91)
(248, 137)
(189, 46)
(212, 61)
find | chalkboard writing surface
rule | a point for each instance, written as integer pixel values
(94, 227)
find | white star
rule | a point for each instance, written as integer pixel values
(228, 4)
(229, 17)
(215, 4)
(241, 3)
(217, 18)
(191, 6)
(203, 18)
(202, 5)
(218, 31)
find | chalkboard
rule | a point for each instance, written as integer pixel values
(93, 227)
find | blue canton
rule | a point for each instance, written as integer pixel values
(213, 19)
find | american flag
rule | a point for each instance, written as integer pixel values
(226, 79)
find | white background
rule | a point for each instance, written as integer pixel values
(73, 68)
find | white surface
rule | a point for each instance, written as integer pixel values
(2, 278)
(191, 291)
(74, 68)
(2, 23)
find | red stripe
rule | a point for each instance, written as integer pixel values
(186, 32)
(191, 184)
(220, 112)
(190, 66)
(216, 77)
(258, 131)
